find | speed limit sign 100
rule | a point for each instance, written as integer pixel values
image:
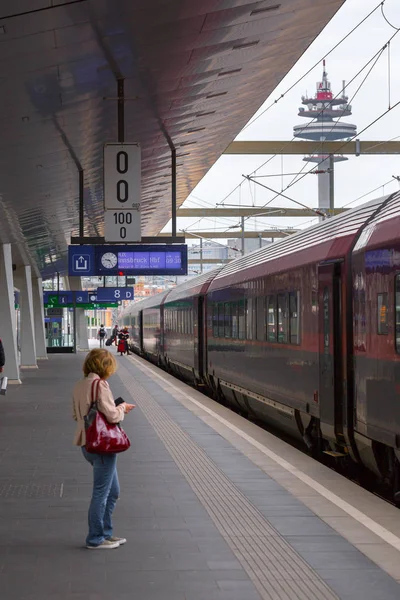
(122, 168)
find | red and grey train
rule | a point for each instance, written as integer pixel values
(303, 334)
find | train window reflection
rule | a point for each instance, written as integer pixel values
(227, 320)
(282, 318)
(271, 319)
(215, 320)
(398, 314)
(242, 319)
(221, 318)
(294, 309)
(260, 318)
(383, 326)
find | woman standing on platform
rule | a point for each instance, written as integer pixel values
(123, 341)
(99, 364)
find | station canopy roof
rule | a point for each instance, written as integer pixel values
(195, 72)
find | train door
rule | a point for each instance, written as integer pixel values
(200, 336)
(330, 351)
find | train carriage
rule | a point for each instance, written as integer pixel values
(184, 332)
(303, 334)
(279, 333)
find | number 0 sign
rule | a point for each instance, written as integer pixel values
(122, 164)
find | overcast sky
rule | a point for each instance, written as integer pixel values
(352, 178)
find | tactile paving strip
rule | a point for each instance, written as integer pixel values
(275, 568)
(31, 491)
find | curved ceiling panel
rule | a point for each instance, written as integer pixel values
(195, 72)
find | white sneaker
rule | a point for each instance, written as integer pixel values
(106, 545)
(120, 541)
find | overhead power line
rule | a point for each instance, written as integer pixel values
(380, 5)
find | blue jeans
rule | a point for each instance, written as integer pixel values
(105, 495)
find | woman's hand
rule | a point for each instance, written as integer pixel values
(128, 407)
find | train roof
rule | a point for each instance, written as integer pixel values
(383, 227)
(193, 286)
(150, 302)
(329, 239)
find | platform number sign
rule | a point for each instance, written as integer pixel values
(122, 192)
(122, 226)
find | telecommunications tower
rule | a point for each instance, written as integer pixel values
(324, 108)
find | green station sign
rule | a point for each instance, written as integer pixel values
(53, 302)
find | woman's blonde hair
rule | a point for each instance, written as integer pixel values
(101, 362)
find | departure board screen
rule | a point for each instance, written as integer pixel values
(157, 259)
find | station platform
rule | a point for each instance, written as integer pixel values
(213, 507)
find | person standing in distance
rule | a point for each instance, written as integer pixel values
(102, 335)
(99, 364)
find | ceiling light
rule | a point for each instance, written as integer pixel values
(205, 114)
(194, 129)
(187, 143)
(25, 119)
(229, 72)
(258, 11)
(245, 45)
(183, 154)
(2, 30)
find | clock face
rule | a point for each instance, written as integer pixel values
(109, 260)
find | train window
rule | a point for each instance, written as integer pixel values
(234, 312)
(227, 320)
(242, 309)
(294, 309)
(383, 326)
(215, 320)
(260, 318)
(398, 314)
(221, 317)
(282, 318)
(251, 319)
(271, 318)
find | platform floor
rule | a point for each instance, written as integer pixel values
(213, 507)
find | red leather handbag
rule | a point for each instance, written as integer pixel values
(103, 437)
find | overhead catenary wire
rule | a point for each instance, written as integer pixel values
(375, 58)
(299, 178)
(378, 54)
(380, 5)
(385, 17)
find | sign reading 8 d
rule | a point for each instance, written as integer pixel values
(122, 167)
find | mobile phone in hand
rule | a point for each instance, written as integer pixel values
(119, 401)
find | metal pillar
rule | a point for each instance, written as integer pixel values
(38, 318)
(242, 222)
(81, 203)
(331, 182)
(121, 110)
(8, 325)
(173, 191)
(23, 276)
(81, 341)
(324, 184)
(201, 255)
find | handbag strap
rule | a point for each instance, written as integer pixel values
(93, 392)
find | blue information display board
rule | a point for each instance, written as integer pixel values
(130, 260)
(114, 294)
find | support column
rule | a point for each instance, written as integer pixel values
(8, 327)
(81, 328)
(323, 185)
(23, 277)
(38, 316)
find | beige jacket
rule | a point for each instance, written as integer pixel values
(81, 400)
